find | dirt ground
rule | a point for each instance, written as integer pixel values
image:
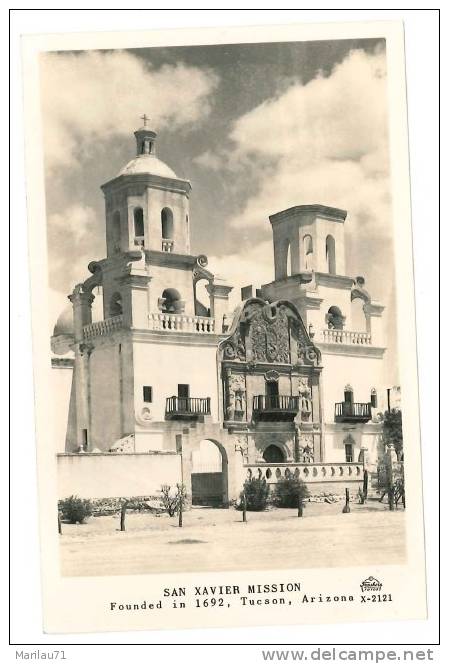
(217, 540)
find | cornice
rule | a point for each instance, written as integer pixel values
(176, 338)
(336, 280)
(148, 180)
(62, 362)
(352, 350)
(169, 259)
(334, 214)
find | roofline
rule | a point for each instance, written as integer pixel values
(330, 212)
(159, 181)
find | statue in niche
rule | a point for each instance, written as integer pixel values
(305, 400)
(235, 396)
(241, 446)
(305, 449)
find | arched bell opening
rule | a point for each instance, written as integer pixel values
(171, 302)
(335, 319)
(330, 255)
(115, 305)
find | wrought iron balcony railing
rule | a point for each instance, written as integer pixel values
(275, 407)
(352, 412)
(187, 407)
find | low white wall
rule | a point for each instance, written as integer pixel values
(116, 475)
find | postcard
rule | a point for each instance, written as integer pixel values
(226, 391)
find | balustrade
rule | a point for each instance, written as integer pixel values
(168, 245)
(345, 337)
(308, 472)
(103, 327)
(182, 323)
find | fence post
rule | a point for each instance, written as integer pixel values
(390, 479)
(244, 507)
(180, 512)
(346, 508)
(365, 484)
(123, 516)
(300, 508)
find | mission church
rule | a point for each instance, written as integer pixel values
(288, 383)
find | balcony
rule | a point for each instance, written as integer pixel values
(352, 412)
(186, 408)
(275, 408)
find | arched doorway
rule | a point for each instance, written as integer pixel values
(273, 454)
(210, 474)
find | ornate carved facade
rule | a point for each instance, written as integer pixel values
(270, 373)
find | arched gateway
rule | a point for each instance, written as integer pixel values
(209, 474)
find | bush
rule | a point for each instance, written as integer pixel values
(290, 492)
(75, 510)
(256, 491)
(171, 501)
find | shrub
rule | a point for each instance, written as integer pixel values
(256, 491)
(75, 510)
(171, 501)
(290, 492)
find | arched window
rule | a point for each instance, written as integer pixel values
(330, 254)
(115, 306)
(116, 231)
(167, 224)
(373, 397)
(273, 454)
(139, 231)
(335, 319)
(288, 267)
(308, 252)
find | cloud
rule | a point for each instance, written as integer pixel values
(93, 94)
(74, 239)
(254, 268)
(209, 160)
(323, 142)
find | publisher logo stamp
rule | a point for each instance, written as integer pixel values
(371, 585)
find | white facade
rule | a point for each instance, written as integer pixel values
(294, 381)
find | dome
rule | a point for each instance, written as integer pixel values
(147, 163)
(64, 324)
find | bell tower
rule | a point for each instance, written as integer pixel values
(147, 215)
(147, 205)
(308, 238)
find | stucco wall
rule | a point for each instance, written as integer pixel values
(362, 373)
(105, 397)
(163, 366)
(116, 475)
(61, 388)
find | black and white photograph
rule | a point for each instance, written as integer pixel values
(224, 381)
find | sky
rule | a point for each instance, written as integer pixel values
(256, 128)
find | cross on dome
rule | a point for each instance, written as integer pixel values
(145, 119)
